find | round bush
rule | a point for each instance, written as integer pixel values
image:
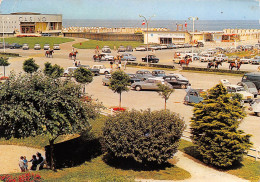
(145, 136)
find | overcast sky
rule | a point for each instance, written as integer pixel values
(130, 9)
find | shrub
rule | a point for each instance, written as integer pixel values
(214, 128)
(146, 137)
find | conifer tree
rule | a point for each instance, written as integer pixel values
(214, 127)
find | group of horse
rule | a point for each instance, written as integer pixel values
(72, 55)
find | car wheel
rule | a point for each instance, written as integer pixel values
(65, 74)
(104, 84)
(106, 72)
(138, 88)
(106, 59)
(183, 86)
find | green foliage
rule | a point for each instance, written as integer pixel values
(31, 41)
(214, 128)
(83, 75)
(165, 91)
(91, 44)
(55, 71)
(145, 136)
(29, 66)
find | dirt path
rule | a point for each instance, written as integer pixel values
(10, 155)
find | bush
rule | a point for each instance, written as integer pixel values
(28, 177)
(149, 138)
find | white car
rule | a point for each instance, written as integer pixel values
(46, 46)
(140, 48)
(106, 57)
(106, 49)
(221, 57)
(245, 60)
(25, 47)
(69, 71)
(102, 69)
(255, 107)
(37, 47)
(206, 58)
(56, 47)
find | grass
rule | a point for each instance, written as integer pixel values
(249, 169)
(243, 54)
(97, 169)
(215, 73)
(92, 44)
(7, 55)
(31, 41)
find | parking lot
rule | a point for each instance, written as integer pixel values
(142, 99)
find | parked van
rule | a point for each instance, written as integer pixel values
(252, 77)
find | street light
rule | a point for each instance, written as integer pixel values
(147, 21)
(4, 32)
(193, 19)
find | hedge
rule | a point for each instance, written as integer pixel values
(9, 54)
(151, 65)
(214, 70)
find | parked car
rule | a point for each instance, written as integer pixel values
(102, 69)
(140, 48)
(252, 77)
(249, 87)
(162, 46)
(149, 84)
(106, 49)
(171, 46)
(15, 46)
(106, 57)
(255, 107)
(246, 96)
(106, 79)
(121, 49)
(151, 59)
(240, 47)
(193, 96)
(257, 45)
(69, 71)
(133, 78)
(129, 49)
(56, 47)
(186, 45)
(143, 74)
(206, 58)
(177, 59)
(2, 45)
(37, 47)
(158, 73)
(221, 57)
(25, 47)
(177, 81)
(46, 46)
(128, 57)
(255, 60)
(200, 44)
(153, 47)
(249, 47)
(93, 70)
(245, 60)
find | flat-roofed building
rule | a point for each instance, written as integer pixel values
(30, 23)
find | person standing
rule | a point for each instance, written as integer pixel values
(111, 64)
(21, 164)
(34, 163)
(40, 160)
(119, 64)
(25, 163)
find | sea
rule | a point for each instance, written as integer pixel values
(199, 25)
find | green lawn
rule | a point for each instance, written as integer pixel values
(92, 44)
(37, 40)
(243, 54)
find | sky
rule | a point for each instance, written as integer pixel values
(130, 9)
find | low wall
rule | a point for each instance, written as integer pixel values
(105, 36)
(214, 70)
(155, 65)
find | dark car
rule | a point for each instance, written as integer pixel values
(133, 78)
(151, 59)
(253, 77)
(177, 81)
(15, 46)
(143, 74)
(2, 45)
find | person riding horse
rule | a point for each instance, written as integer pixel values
(49, 53)
(214, 63)
(235, 65)
(73, 54)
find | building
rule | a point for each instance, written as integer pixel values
(30, 23)
(167, 37)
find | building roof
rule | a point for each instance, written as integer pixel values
(25, 13)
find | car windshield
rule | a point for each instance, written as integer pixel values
(250, 84)
(56, 44)
(239, 89)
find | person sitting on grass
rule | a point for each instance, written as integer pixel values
(34, 163)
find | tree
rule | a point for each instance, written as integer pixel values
(4, 62)
(40, 105)
(165, 91)
(214, 128)
(29, 66)
(119, 83)
(83, 76)
(55, 71)
(148, 137)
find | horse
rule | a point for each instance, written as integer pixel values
(73, 54)
(49, 53)
(234, 65)
(216, 64)
(185, 61)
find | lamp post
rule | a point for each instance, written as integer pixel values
(4, 32)
(193, 19)
(147, 21)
